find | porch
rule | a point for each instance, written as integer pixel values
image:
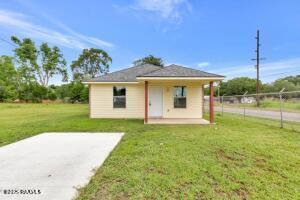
(199, 121)
(164, 104)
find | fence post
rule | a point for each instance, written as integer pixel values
(244, 104)
(222, 99)
(280, 97)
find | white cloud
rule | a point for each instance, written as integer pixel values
(22, 24)
(167, 9)
(91, 40)
(203, 64)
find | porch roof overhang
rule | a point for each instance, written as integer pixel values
(110, 82)
(159, 79)
(179, 78)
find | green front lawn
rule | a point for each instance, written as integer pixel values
(235, 159)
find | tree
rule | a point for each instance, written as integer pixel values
(8, 79)
(238, 86)
(293, 79)
(283, 83)
(32, 92)
(73, 92)
(39, 64)
(63, 91)
(78, 92)
(149, 60)
(290, 83)
(51, 92)
(91, 63)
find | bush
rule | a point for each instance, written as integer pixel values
(32, 92)
(8, 93)
(265, 104)
(52, 96)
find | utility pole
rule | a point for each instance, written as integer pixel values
(257, 59)
(257, 67)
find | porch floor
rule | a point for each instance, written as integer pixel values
(177, 121)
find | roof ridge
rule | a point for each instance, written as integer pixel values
(173, 67)
(151, 71)
(193, 69)
(125, 70)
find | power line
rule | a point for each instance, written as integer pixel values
(8, 42)
(281, 73)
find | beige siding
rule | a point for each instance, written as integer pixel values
(102, 101)
(194, 100)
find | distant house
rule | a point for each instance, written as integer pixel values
(248, 100)
(170, 94)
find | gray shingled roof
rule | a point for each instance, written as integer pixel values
(178, 71)
(126, 75)
(148, 70)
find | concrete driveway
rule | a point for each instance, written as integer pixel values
(52, 165)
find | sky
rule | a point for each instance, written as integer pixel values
(209, 35)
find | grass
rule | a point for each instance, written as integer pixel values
(275, 104)
(235, 159)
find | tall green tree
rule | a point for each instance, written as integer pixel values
(293, 79)
(91, 63)
(149, 60)
(279, 84)
(238, 86)
(41, 63)
(8, 79)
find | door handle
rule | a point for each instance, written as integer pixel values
(149, 103)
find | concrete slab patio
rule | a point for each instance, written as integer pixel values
(178, 121)
(52, 165)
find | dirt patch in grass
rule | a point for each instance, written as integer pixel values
(156, 170)
(123, 196)
(102, 193)
(262, 164)
(223, 156)
(215, 186)
(241, 193)
(227, 159)
(105, 192)
(200, 195)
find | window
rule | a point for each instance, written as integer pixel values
(179, 96)
(119, 100)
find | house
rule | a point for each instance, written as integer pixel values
(248, 100)
(170, 94)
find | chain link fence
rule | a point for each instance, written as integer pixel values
(282, 106)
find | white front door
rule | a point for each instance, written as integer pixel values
(155, 102)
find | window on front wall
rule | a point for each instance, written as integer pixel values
(119, 99)
(179, 94)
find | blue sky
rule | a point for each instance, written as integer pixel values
(211, 35)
